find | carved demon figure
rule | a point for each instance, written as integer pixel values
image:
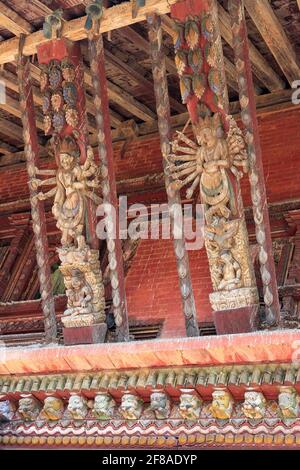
(189, 406)
(29, 408)
(131, 406)
(254, 406)
(7, 410)
(288, 400)
(222, 404)
(53, 409)
(160, 404)
(104, 406)
(78, 407)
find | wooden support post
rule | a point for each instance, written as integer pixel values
(105, 149)
(256, 175)
(37, 207)
(163, 114)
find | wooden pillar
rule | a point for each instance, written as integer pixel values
(108, 185)
(37, 207)
(163, 115)
(212, 163)
(256, 174)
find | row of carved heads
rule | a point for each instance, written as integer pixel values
(104, 407)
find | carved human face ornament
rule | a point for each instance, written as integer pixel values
(67, 161)
(53, 408)
(254, 406)
(288, 401)
(29, 408)
(104, 406)
(160, 404)
(131, 407)
(7, 410)
(222, 404)
(77, 407)
(189, 406)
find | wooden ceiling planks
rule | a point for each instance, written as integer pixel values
(13, 22)
(132, 96)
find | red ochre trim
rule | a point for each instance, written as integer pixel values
(252, 348)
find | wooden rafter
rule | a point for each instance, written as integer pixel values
(267, 23)
(298, 1)
(12, 107)
(143, 44)
(11, 129)
(262, 70)
(114, 60)
(13, 22)
(115, 17)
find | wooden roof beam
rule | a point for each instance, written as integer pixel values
(123, 99)
(11, 129)
(261, 68)
(114, 17)
(13, 22)
(12, 107)
(270, 28)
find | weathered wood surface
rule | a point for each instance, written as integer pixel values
(115, 17)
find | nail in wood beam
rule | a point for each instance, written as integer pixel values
(37, 208)
(109, 190)
(256, 175)
(164, 126)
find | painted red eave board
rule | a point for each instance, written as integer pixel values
(253, 348)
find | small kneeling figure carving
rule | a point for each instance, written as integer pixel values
(79, 295)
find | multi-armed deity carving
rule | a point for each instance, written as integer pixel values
(74, 184)
(213, 165)
(75, 179)
(212, 162)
